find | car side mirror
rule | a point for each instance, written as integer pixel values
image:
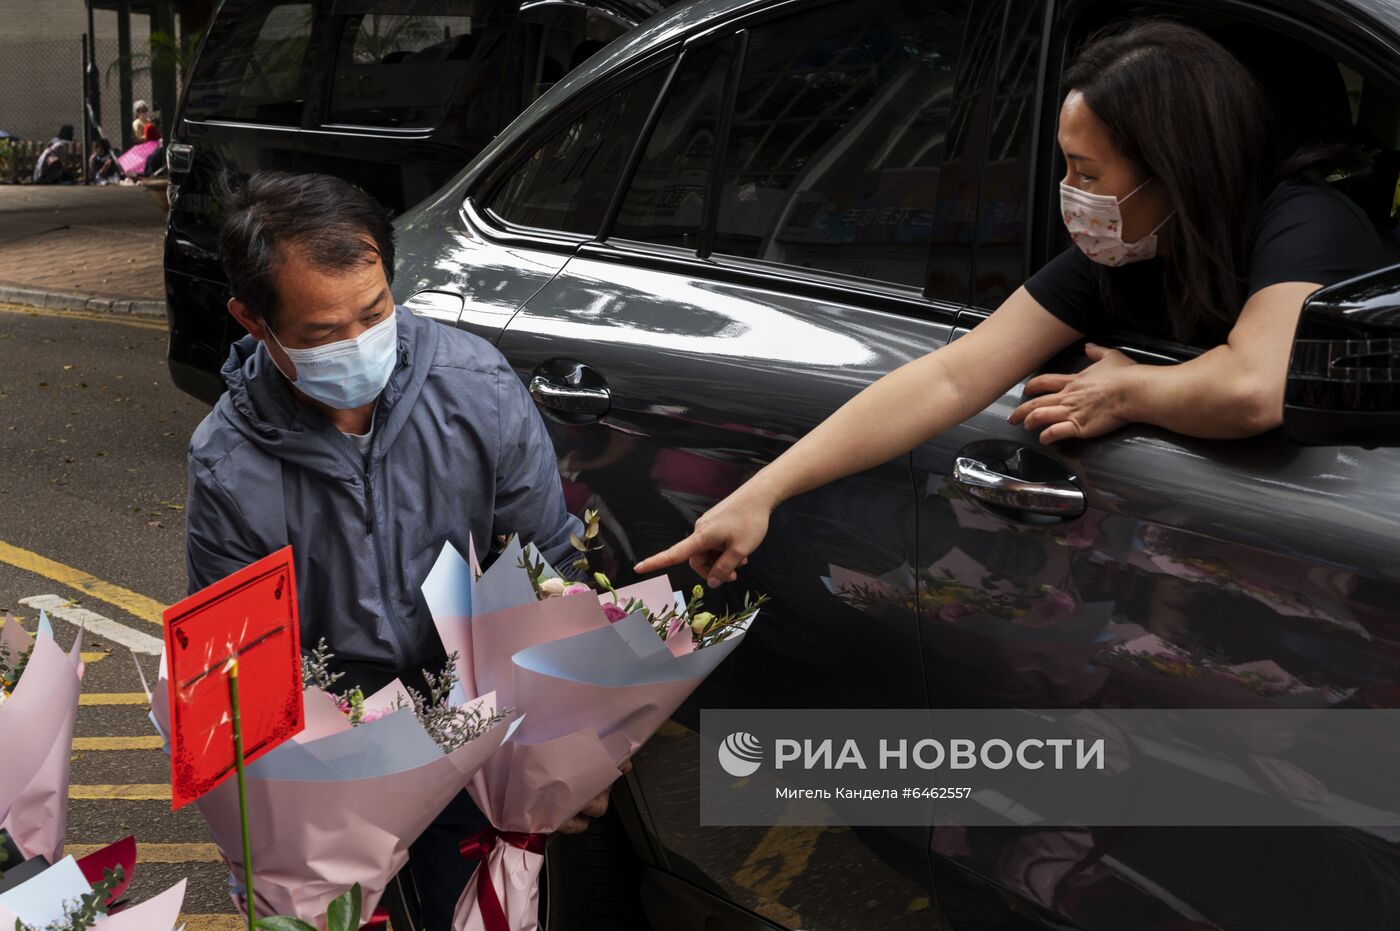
(1344, 372)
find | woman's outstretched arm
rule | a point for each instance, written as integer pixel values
(910, 405)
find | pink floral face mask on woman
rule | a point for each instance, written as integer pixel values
(1095, 224)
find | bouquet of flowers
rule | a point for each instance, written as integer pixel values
(77, 895)
(596, 673)
(339, 804)
(39, 686)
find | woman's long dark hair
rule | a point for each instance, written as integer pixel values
(1197, 121)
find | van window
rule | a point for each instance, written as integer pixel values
(841, 154)
(254, 65)
(567, 182)
(401, 69)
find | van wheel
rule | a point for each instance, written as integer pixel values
(591, 881)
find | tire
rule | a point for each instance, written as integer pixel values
(591, 881)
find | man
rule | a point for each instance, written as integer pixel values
(365, 437)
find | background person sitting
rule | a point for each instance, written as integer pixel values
(102, 164)
(49, 167)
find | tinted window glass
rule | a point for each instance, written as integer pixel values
(839, 150)
(254, 65)
(553, 40)
(567, 183)
(665, 200)
(1002, 217)
(400, 69)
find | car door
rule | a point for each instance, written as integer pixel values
(797, 223)
(1146, 569)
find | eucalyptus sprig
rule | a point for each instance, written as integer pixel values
(83, 914)
(584, 545)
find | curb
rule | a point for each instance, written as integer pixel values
(70, 300)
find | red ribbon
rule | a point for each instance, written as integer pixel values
(478, 847)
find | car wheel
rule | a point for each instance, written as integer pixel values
(591, 881)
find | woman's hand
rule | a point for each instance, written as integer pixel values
(723, 538)
(1079, 406)
(594, 809)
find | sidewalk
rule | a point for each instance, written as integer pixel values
(82, 248)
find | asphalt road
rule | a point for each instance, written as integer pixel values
(92, 442)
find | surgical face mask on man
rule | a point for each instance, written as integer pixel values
(349, 373)
(1095, 224)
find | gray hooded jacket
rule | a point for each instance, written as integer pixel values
(458, 450)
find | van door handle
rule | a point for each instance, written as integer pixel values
(1055, 498)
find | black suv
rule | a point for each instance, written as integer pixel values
(394, 95)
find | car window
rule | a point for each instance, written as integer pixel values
(554, 38)
(567, 182)
(665, 200)
(254, 64)
(400, 69)
(839, 154)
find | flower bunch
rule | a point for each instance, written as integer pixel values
(704, 627)
(450, 727)
(11, 668)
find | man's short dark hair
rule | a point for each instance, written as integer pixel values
(328, 220)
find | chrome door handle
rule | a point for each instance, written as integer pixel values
(557, 396)
(1060, 499)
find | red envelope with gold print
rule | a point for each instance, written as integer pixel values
(251, 615)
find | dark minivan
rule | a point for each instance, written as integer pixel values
(394, 95)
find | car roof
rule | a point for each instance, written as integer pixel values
(675, 23)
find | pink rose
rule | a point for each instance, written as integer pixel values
(613, 612)
(578, 588)
(1054, 607)
(955, 611)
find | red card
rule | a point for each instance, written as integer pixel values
(122, 853)
(252, 614)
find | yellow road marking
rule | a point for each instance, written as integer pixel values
(151, 742)
(147, 609)
(157, 853)
(779, 858)
(141, 323)
(113, 698)
(95, 657)
(214, 922)
(142, 792)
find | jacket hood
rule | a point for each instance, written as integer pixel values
(261, 406)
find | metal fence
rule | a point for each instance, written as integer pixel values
(41, 90)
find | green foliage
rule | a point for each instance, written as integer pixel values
(166, 54)
(343, 915)
(10, 674)
(83, 914)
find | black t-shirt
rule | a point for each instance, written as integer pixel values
(1304, 232)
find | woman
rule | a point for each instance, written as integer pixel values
(1181, 228)
(140, 117)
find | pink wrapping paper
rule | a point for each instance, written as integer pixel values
(574, 735)
(36, 732)
(314, 838)
(531, 790)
